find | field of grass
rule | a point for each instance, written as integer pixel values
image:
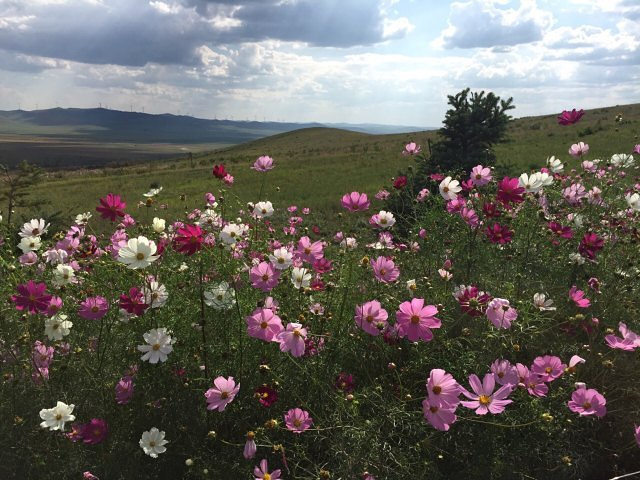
(315, 166)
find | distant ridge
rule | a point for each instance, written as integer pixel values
(107, 125)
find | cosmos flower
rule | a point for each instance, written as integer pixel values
(292, 339)
(111, 207)
(55, 418)
(355, 201)
(587, 401)
(298, 420)
(569, 118)
(153, 442)
(159, 345)
(414, 320)
(222, 393)
(138, 253)
(263, 164)
(484, 399)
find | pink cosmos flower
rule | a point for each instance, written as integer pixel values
(636, 148)
(89, 476)
(423, 194)
(578, 297)
(309, 252)
(42, 355)
(31, 296)
(588, 401)
(629, 341)
(298, 420)
(510, 191)
(532, 382)
(498, 234)
(124, 390)
(411, 149)
(223, 393)
(574, 193)
(382, 195)
(470, 217)
(384, 270)
(264, 276)
(93, 308)
(292, 339)
(637, 428)
(188, 239)
(262, 473)
(573, 363)
(569, 118)
(29, 258)
(264, 324)
(228, 179)
(578, 149)
(504, 372)
(548, 367)
(371, 317)
(456, 204)
(480, 175)
(440, 416)
(55, 305)
(500, 313)
(442, 389)
(263, 164)
(250, 447)
(484, 399)
(95, 431)
(355, 202)
(414, 320)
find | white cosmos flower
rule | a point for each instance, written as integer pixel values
(55, 418)
(155, 294)
(55, 256)
(263, 209)
(231, 233)
(29, 244)
(633, 200)
(385, 219)
(555, 165)
(220, 296)
(159, 345)
(153, 442)
(531, 183)
(545, 178)
(209, 218)
(83, 218)
(138, 253)
(281, 258)
(623, 160)
(542, 303)
(63, 275)
(300, 277)
(449, 188)
(349, 243)
(152, 192)
(34, 228)
(576, 258)
(57, 327)
(159, 224)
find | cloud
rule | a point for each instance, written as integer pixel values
(480, 23)
(129, 33)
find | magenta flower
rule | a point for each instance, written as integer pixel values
(629, 341)
(587, 401)
(309, 252)
(472, 301)
(491, 210)
(263, 164)
(32, 296)
(262, 473)
(188, 239)
(266, 395)
(510, 191)
(484, 399)
(500, 313)
(569, 118)
(219, 171)
(559, 230)
(111, 207)
(298, 420)
(498, 234)
(371, 317)
(93, 308)
(223, 393)
(414, 320)
(264, 324)
(480, 175)
(384, 270)
(95, 431)
(470, 217)
(124, 390)
(134, 302)
(292, 339)
(355, 202)
(345, 382)
(411, 149)
(264, 276)
(636, 149)
(548, 367)
(578, 297)
(578, 149)
(504, 372)
(440, 416)
(590, 245)
(637, 428)
(442, 389)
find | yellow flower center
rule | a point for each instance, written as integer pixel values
(296, 333)
(152, 444)
(484, 400)
(266, 476)
(548, 370)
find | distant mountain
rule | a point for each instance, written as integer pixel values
(106, 125)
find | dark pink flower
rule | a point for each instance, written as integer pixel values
(95, 431)
(219, 171)
(569, 118)
(93, 308)
(590, 245)
(498, 234)
(124, 390)
(266, 395)
(561, 231)
(345, 382)
(31, 296)
(134, 302)
(188, 239)
(472, 301)
(355, 201)
(399, 182)
(111, 207)
(578, 297)
(510, 191)
(588, 401)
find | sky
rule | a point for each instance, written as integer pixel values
(356, 61)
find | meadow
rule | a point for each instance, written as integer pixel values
(282, 327)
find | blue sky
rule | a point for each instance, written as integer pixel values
(378, 61)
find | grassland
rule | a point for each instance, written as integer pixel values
(317, 165)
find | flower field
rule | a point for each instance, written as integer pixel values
(494, 336)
